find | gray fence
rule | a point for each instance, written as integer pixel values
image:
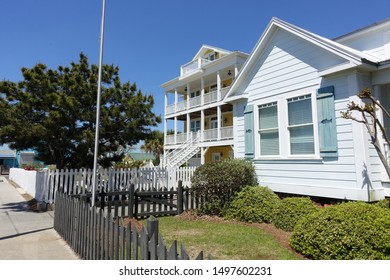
(97, 235)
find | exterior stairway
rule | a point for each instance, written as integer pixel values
(184, 152)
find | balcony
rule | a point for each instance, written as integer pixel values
(192, 66)
(208, 98)
(209, 135)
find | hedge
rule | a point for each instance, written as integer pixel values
(254, 204)
(347, 231)
(291, 210)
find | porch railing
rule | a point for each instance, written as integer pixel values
(208, 98)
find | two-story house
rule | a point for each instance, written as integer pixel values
(198, 123)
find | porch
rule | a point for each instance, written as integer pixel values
(197, 101)
(208, 135)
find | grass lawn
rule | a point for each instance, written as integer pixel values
(223, 240)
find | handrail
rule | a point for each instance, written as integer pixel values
(191, 140)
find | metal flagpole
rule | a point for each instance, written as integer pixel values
(95, 155)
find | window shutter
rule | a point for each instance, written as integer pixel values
(249, 134)
(327, 122)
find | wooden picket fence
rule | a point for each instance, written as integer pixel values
(79, 181)
(142, 204)
(96, 235)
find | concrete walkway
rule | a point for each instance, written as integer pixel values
(27, 235)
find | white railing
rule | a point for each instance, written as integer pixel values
(170, 109)
(195, 101)
(170, 139)
(387, 151)
(181, 106)
(193, 65)
(227, 132)
(210, 134)
(181, 138)
(211, 97)
(189, 67)
(224, 91)
(208, 98)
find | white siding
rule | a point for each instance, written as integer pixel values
(288, 64)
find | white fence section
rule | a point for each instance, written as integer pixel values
(30, 181)
(144, 179)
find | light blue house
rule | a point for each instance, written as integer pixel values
(287, 103)
(10, 158)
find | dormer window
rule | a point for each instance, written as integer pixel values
(211, 56)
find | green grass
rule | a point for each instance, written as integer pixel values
(224, 241)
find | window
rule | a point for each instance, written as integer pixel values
(300, 125)
(268, 129)
(216, 156)
(195, 126)
(195, 94)
(210, 56)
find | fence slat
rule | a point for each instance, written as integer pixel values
(94, 235)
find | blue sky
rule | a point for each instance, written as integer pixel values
(149, 40)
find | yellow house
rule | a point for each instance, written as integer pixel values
(198, 124)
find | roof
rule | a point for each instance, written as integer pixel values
(141, 156)
(354, 57)
(363, 30)
(202, 51)
(7, 154)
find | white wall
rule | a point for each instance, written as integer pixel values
(30, 181)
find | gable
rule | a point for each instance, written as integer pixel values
(324, 56)
(287, 62)
(205, 49)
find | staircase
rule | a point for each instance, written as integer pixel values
(183, 153)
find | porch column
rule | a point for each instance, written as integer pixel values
(176, 100)
(202, 158)
(202, 91)
(175, 130)
(219, 118)
(201, 124)
(235, 70)
(218, 86)
(188, 96)
(188, 126)
(165, 130)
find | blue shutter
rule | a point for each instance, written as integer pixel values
(249, 133)
(327, 122)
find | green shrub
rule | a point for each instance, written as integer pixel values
(291, 210)
(219, 181)
(384, 203)
(353, 230)
(253, 204)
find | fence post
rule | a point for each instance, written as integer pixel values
(152, 228)
(180, 197)
(131, 201)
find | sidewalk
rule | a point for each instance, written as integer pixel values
(27, 235)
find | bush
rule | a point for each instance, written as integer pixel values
(291, 210)
(254, 204)
(219, 181)
(384, 203)
(353, 230)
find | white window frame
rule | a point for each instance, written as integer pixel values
(284, 136)
(297, 99)
(275, 103)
